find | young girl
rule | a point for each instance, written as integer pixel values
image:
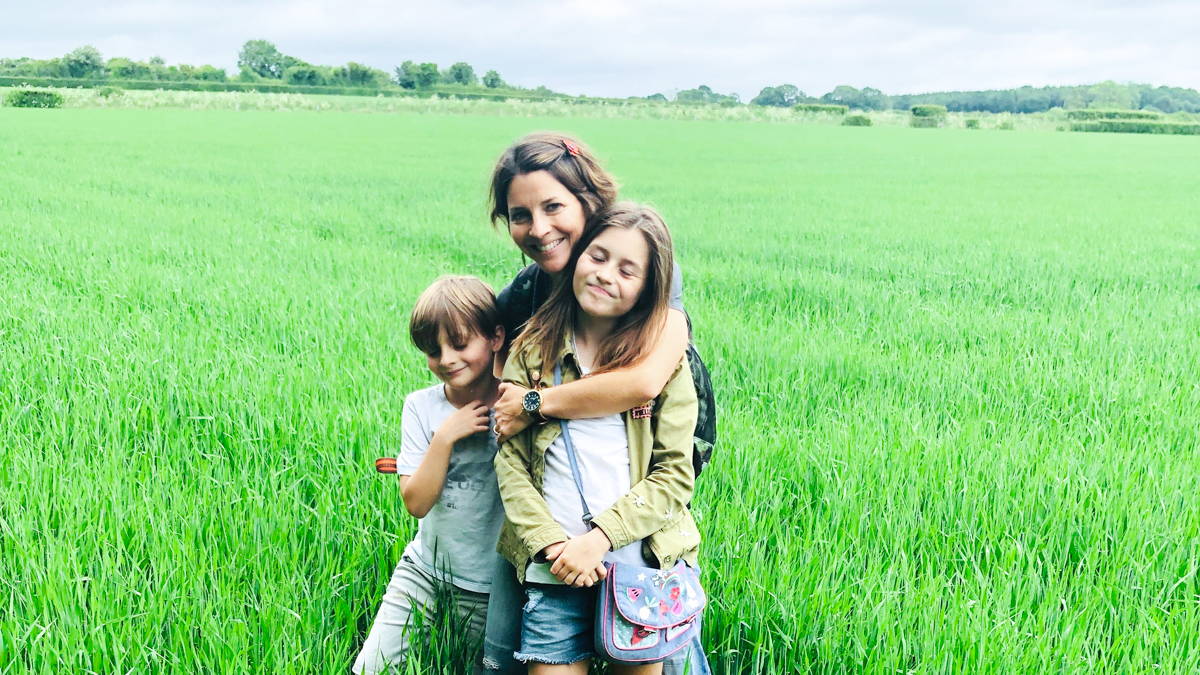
(603, 315)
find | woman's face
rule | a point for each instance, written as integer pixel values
(544, 219)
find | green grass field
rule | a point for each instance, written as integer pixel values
(959, 377)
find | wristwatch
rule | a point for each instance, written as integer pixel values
(532, 404)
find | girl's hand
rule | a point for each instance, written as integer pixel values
(510, 411)
(581, 561)
(468, 420)
(551, 552)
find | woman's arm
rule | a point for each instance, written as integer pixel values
(660, 498)
(603, 394)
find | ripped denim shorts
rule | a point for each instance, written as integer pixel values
(556, 624)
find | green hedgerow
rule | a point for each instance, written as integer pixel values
(33, 98)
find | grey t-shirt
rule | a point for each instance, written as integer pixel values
(464, 524)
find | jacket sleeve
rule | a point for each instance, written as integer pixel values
(661, 498)
(524, 505)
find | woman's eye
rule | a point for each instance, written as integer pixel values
(551, 208)
(597, 258)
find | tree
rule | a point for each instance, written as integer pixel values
(262, 58)
(304, 75)
(784, 96)
(492, 80)
(1109, 94)
(210, 74)
(427, 75)
(657, 98)
(127, 69)
(704, 94)
(359, 75)
(84, 61)
(871, 98)
(406, 75)
(843, 94)
(462, 73)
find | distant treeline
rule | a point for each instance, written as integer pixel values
(1022, 100)
(261, 64)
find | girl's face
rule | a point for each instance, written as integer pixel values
(544, 219)
(611, 273)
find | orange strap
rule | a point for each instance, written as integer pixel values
(385, 465)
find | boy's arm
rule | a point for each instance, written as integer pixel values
(422, 487)
(524, 506)
(603, 394)
(662, 496)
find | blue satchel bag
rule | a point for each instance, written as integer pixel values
(643, 614)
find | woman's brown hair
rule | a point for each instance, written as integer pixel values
(568, 160)
(639, 328)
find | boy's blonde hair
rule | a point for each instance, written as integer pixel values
(458, 305)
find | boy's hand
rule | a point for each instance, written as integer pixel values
(580, 563)
(510, 411)
(468, 420)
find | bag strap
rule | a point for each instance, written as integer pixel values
(587, 514)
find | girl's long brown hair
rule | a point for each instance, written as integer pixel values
(634, 332)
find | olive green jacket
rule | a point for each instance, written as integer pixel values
(660, 474)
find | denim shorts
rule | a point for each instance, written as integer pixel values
(556, 624)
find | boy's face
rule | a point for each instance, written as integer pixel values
(461, 365)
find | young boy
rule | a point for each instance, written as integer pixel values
(445, 469)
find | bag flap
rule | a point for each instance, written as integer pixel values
(656, 598)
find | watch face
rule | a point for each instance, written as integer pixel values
(532, 401)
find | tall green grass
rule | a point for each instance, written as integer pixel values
(958, 377)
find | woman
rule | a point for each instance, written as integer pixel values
(545, 187)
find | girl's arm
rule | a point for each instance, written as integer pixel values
(661, 498)
(603, 394)
(523, 504)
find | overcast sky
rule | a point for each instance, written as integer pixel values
(624, 48)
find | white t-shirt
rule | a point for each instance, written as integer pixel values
(464, 525)
(602, 451)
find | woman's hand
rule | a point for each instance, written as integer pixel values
(510, 411)
(580, 562)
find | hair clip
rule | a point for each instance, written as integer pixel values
(571, 148)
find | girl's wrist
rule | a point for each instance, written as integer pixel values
(601, 538)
